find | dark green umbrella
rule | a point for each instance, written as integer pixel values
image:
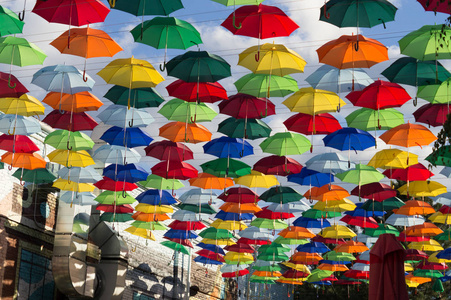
(226, 167)
(244, 128)
(198, 66)
(438, 286)
(36, 176)
(440, 156)
(203, 209)
(112, 217)
(316, 214)
(139, 98)
(414, 72)
(381, 229)
(265, 85)
(216, 234)
(427, 273)
(175, 246)
(281, 194)
(10, 22)
(273, 257)
(147, 7)
(386, 205)
(444, 236)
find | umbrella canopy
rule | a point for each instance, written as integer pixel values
(286, 143)
(361, 174)
(209, 181)
(349, 138)
(226, 167)
(118, 115)
(435, 93)
(66, 140)
(408, 135)
(376, 191)
(244, 128)
(277, 165)
(243, 106)
(174, 170)
(337, 232)
(62, 79)
(69, 158)
(82, 175)
(393, 158)
(129, 137)
(328, 163)
(312, 124)
(25, 105)
(70, 121)
(257, 179)
(35, 176)
(168, 150)
(312, 101)
(425, 188)
(411, 173)
(264, 85)
(19, 52)
(311, 178)
(370, 119)
(145, 8)
(140, 97)
(129, 173)
(15, 87)
(226, 147)
(17, 144)
(156, 197)
(189, 112)
(11, 23)
(185, 132)
(197, 91)
(239, 195)
(78, 102)
(432, 114)
(111, 154)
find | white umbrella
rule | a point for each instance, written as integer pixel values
(402, 220)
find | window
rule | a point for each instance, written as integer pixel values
(139, 296)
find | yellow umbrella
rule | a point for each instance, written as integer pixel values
(393, 158)
(145, 233)
(422, 188)
(246, 258)
(337, 232)
(335, 205)
(154, 209)
(273, 59)
(441, 218)
(408, 267)
(313, 101)
(66, 185)
(257, 179)
(69, 159)
(412, 284)
(297, 267)
(25, 105)
(298, 281)
(431, 245)
(221, 242)
(229, 225)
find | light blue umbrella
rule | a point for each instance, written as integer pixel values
(80, 175)
(112, 154)
(444, 199)
(255, 233)
(19, 124)
(336, 80)
(446, 171)
(119, 115)
(329, 163)
(186, 216)
(292, 207)
(402, 220)
(197, 197)
(85, 198)
(62, 78)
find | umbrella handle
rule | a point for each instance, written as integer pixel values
(325, 13)
(339, 107)
(379, 124)
(356, 46)
(124, 195)
(173, 194)
(10, 167)
(21, 15)
(163, 67)
(233, 21)
(14, 131)
(415, 101)
(112, 3)
(133, 249)
(241, 153)
(311, 149)
(68, 146)
(22, 183)
(85, 78)
(130, 123)
(193, 120)
(9, 83)
(257, 56)
(383, 23)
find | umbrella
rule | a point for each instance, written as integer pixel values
(311, 178)
(243, 106)
(112, 185)
(29, 161)
(257, 179)
(335, 205)
(239, 195)
(140, 97)
(85, 198)
(318, 275)
(82, 175)
(145, 8)
(62, 79)
(130, 172)
(244, 128)
(435, 6)
(403, 220)
(130, 137)
(156, 197)
(226, 167)
(189, 112)
(19, 52)
(118, 115)
(382, 229)
(328, 163)
(432, 114)
(229, 216)
(336, 80)
(430, 245)
(226, 147)
(286, 143)
(25, 105)
(368, 119)
(351, 247)
(11, 23)
(312, 101)
(376, 191)
(361, 174)
(411, 173)
(422, 230)
(277, 165)
(352, 51)
(70, 121)
(174, 170)
(312, 124)
(393, 158)
(197, 91)
(176, 247)
(408, 135)
(349, 138)
(78, 102)
(264, 85)
(281, 194)
(387, 269)
(168, 150)
(185, 132)
(17, 144)
(111, 154)
(209, 181)
(66, 140)
(158, 182)
(36, 176)
(424, 188)
(415, 207)
(435, 92)
(10, 86)
(337, 232)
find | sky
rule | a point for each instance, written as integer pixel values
(207, 16)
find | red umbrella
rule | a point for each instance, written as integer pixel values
(379, 95)
(70, 121)
(239, 195)
(432, 114)
(262, 22)
(414, 254)
(211, 255)
(411, 173)
(445, 209)
(347, 282)
(404, 238)
(184, 242)
(111, 185)
(235, 274)
(174, 170)
(277, 165)
(10, 86)
(168, 150)
(209, 92)
(307, 124)
(387, 269)
(17, 144)
(364, 222)
(292, 273)
(71, 12)
(436, 6)
(240, 248)
(376, 191)
(241, 106)
(268, 214)
(187, 225)
(426, 265)
(357, 274)
(119, 209)
(330, 278)
(253, 242)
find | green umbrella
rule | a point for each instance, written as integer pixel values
(112, 217)
(258, 279)
(244, 128)
(440, 156)
(414, 72)
(286, 143)
(139, 98)
(361, 174)
(175, 246)
(430, 42)
(381, 229)
(157, 182)
(198, 66)
(444, 236)
(318, 275)
(339, 256)
(261, 265)
(188, 112)
(438, 286)
(226, 167)
(427, 273)
(273, 257)
(274, 247)
(10, 22)
(285, 241)
(117, 198)
(439, 93)
(264, 85)
(281, 194)
(149, 225)
(19, 52)
(269, 224)
(386, 205)
(216, 234)
(203, 209)
(37, 176)
(68, 140)
(148, 7)
(317, 214)
(370, 119)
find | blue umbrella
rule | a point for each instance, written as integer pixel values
(156, 197)
(62, 78)
(349, 138)
(206, 261)
(180, 234)
(334, 262)
(336, 80)
(228, 147)
(128, 173)
(444, 254)
(311, 223)
(313, 247)
(211, 247)
(20, 125)
(229, 216)
(311, 178)
(119, 115)
(130, 137)
(359, 212)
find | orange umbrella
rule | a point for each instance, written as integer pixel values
(140, 216)
(185, 132)
(328, 192)
(420, 280)
(408, 135)
(306, 258)
(415, 207)
(352, 51)
(333, 268)
(29, 161)
(79, 102)
(240, 208)
(351, 247)
(294, 232)
(267, 273)
(208, 181)
(425, 229)
(290, 281)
